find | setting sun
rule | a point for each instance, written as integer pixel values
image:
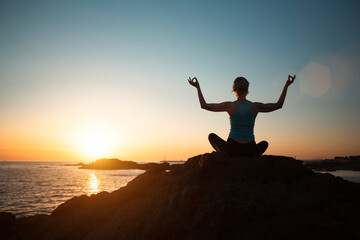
(96, 143)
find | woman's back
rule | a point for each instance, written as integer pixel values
(242, 122)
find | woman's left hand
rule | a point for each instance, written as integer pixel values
(194, 82)
(290, 80)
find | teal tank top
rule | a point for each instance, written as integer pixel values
(242, 122)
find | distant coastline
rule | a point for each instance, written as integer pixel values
(337, 163)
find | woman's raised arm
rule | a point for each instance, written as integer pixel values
(269, 107)
(214, 107)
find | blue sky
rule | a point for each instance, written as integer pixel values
(124, 65)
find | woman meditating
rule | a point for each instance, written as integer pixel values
(241, 140)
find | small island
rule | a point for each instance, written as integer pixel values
(114, 163)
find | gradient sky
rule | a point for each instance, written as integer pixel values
(74, 72)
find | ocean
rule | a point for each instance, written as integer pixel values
(29, 188)
(352, 176)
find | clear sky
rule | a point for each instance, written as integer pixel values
(81, 80)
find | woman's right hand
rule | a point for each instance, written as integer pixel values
(194, 82)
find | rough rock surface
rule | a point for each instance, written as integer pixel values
(211, 196)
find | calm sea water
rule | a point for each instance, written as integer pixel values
(39, 187)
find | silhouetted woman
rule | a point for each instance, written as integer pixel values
(241, 141)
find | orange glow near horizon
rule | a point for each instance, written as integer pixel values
(114, 129)
(92, 142)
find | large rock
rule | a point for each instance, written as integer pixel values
(211, 196)
(7, 225)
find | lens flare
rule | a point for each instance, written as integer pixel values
(315, 79)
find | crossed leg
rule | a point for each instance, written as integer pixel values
(217, 143)
(220, 145)
(261, 148)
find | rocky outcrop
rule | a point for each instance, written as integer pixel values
(211, 196)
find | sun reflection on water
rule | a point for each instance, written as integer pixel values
(93, 184)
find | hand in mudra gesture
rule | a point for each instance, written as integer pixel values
(290, 80)
(193, 82)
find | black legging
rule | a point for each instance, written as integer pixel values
(234, 148)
